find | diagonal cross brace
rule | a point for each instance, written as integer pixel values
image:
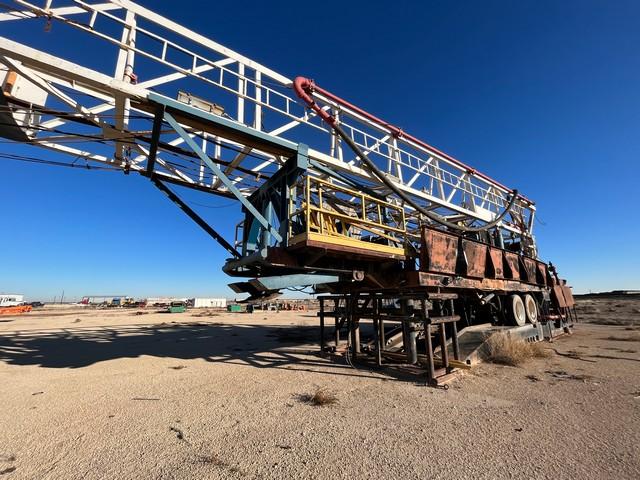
(220, 174)
(195, 217)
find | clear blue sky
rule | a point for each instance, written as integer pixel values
(542, 95)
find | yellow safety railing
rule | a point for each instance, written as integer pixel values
(332, 212)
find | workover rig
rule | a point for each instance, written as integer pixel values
(391, 229)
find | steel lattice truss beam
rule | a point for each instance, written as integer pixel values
(106, 117)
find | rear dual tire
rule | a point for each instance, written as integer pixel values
(522, 309)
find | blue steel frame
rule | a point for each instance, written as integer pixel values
(220, 174)
(255, 137)
(272, 198)
(266, 210)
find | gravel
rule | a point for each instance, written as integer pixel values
(169, 396)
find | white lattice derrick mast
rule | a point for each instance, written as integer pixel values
(174, 58)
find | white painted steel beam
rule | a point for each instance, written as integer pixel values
(247, 87)
(66, 11)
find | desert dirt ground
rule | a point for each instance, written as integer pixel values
(95, 394)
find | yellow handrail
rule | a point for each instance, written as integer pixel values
(323, 220)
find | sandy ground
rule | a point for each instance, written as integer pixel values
(112, 395)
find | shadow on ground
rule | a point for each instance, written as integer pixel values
(261, 346)
(83, 346)
(290, 347)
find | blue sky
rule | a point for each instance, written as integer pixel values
(543, 96)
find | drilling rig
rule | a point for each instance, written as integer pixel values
(390, 231)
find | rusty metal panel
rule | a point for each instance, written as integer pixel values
(513, 263)
(439, 251)
(557, 295)
(568, 296)
(476, 255)
(541, 273)
(496, 269)
(529, 269)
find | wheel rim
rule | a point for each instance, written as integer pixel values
(518, 310)
(531, 309)
(521, 316)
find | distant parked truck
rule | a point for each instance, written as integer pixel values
(209, 302)
(164, 301)
(111, 300)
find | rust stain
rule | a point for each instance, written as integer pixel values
(496, 269)
(557, 295)
(439, 251)
(541, 273)
(529, 265)
(476, 256)
(512, 263)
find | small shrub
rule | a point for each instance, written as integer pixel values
(320, 398)
(505, 349)
(538, 350)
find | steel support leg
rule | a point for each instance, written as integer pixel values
(454, 341)
(383, 340)
(454, 334)
(321, 326)
(443, 348)
(431, 370)
(355, 327)
(412, 350)
(408, 334)
(337, 320)
(376, 327)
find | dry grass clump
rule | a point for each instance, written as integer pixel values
(320, 398)
(508, 350)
